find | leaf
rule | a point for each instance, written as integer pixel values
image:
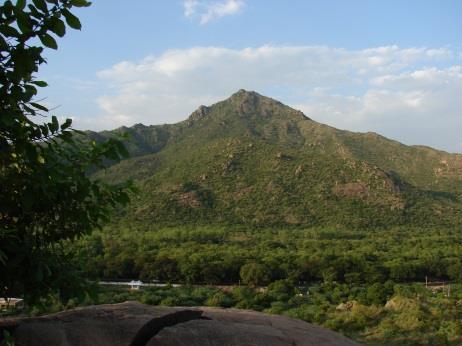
(34, 12)
(20, 4)
(80, 3)
(40, 83)
(29, 109)
(66, 124)
(8, 5)
(54, 126)
(71, 20)
(39, 106)
(41, 5)
(48, 41)
(9, 31)
(24, 23)
(58, 27)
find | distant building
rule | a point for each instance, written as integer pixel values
(11, 304)
(135, 285)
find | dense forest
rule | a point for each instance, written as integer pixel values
(213, 255)
(366, 284)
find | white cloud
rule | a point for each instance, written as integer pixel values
(190, 8)
(428, 77)
(401, 93)
(418, 107)
(207, 11)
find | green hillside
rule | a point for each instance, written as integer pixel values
(251, 160)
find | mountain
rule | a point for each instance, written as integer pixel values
(251, 160)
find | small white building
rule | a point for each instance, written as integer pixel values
(10, 304)
(135, 285)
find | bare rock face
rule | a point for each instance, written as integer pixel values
(132, 323)
(233, 327)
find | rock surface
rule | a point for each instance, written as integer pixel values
(132, 323)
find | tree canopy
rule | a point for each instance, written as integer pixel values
(46, 195)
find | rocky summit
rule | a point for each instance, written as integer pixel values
(132, 323)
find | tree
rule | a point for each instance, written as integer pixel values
(46, 195)
(255, 274)
(281, 290)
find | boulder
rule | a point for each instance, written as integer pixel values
(132, 323)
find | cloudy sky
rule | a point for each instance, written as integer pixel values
(393, 67)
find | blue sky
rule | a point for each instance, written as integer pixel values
(392, 67)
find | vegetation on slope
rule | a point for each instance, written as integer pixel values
(251, 160)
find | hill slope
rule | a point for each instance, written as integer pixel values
(252, 160)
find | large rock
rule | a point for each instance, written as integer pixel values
(132, 323)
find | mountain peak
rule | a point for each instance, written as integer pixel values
(242, 93)
(246, 104)
(252, 103)
(245, 96)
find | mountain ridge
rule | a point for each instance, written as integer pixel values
(253, 160)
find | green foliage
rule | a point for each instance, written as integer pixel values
(47, 196)
(281, 290)
(255, 274)
(220, 299)
(252, 161)
(225, 255)
(379, 293)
